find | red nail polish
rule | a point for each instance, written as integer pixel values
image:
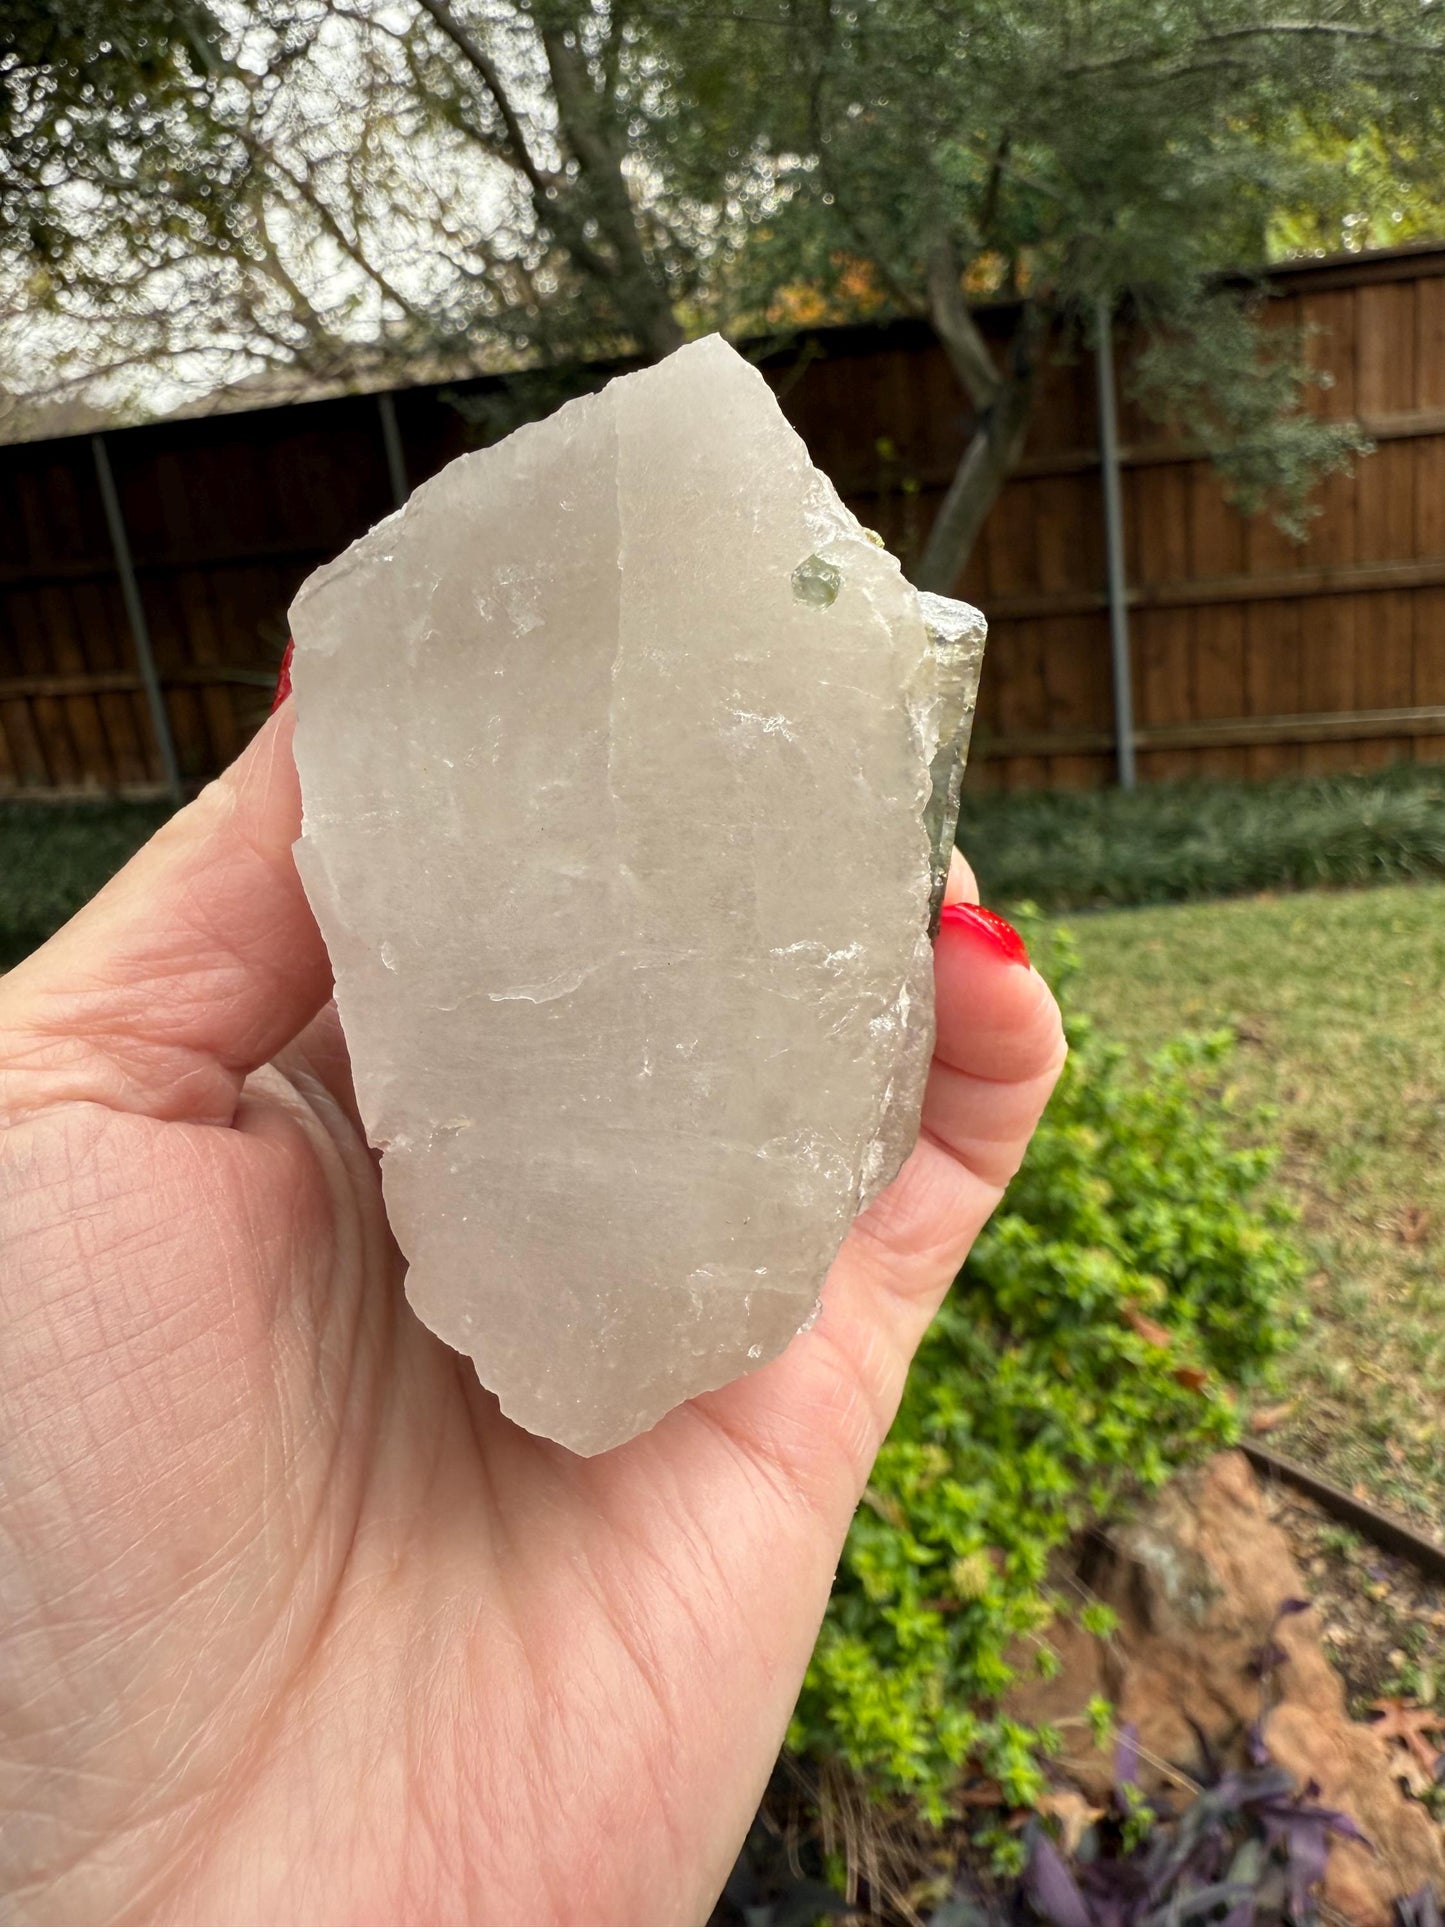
(283, 681)
(986, 925)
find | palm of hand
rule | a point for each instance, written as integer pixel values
(297, 1625)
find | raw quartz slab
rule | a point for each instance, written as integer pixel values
(615, 751)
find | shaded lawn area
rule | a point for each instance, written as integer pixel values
(1338, 1005)
(55, 856)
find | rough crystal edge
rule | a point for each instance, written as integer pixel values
(956, 634)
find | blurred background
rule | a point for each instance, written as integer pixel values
(1124, 319)
(264, 267)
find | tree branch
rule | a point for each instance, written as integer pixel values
(646, 304)
(986, 463)
(261, 151)
(477, 57)
(1260, 30)
(956, 328)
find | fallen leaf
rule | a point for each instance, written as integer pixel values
(1146, 1328)
(1193, 1378)
(1415, 1225)
(1398, 1720)
(1269, 1416)
(1074, 1814)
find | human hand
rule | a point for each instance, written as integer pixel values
(296, 1626)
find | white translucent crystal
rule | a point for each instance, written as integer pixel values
(615, 748)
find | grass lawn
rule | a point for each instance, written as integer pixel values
(1338, 1004)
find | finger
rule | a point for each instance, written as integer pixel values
(962, 884)
(999, 1052)
(191, 968)
(999, 1023)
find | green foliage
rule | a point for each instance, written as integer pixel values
(1242, 389)
(1137, 155)
(106, 131)
(1135, 1272)
(1170, 842)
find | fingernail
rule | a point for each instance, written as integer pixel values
(987, 927)
(283, 681)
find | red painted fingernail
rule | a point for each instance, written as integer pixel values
(986, 925)
(283, 681)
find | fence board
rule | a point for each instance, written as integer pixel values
(1430, 664)
(1236, 629)
(1217, 644)
(1272, 680)
(1075, 659)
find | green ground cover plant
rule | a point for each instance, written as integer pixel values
(1138, 1270)
(1167, 843)
(1337, 1002)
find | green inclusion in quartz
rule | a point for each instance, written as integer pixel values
(817, 583)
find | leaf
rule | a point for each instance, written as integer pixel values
(1269, 1416)
(1246, 1872)
(1204, 1900)
(1126, 1756)
(1420, 1909)
(1074, 1814)
(1410, 1725)
(1146, 1328)
(1193, 1378)
(1308, 1845)
(1052, 1890)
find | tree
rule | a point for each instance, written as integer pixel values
(557, 180)
(112, 166)
(389, 178)
(1063, 155)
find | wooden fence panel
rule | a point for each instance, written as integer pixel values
(1252, 654)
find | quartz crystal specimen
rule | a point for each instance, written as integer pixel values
(615, 749)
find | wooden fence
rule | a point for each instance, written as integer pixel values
(1251, 655)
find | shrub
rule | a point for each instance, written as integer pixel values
(1166, 842)
(1135, 1273)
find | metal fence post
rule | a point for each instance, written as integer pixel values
(135, 615)
(1114, 544)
